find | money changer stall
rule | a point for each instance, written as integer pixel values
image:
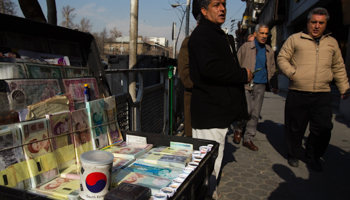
(56, 106)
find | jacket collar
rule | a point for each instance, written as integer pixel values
(206, 22)
(252, 45)
(305, 34)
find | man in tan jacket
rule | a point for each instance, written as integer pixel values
(255, 56)
(311, 60)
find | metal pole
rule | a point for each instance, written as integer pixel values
(188, 18)
(174, 39)
(134, 11)
(134, 8)
(170, 76)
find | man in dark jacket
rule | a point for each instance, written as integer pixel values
(218, 97)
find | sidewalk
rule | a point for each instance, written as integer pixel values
(265, 174)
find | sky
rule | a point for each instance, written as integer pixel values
(155, 16)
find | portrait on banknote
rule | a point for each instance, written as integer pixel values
(36, 142)
(22, 93)
(76, 88)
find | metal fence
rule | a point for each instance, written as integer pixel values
(150, 111)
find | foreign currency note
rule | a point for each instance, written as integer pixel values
(155, 170)
(113, 129)
(22, 93)
(76, 88)
(97, 117)
(11, 70)
(180, 145)
(44, 71)
(75, 72)
(82, 135)
(152, 182)
(35, 136)
(55, 104)
(9, 138)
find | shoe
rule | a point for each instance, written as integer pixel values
(294, 162)
(237, 136)
(315, 165)
(216, 195)
(250, 146)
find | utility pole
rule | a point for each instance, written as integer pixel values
(187, 33)
(134, 14)
(174, 39)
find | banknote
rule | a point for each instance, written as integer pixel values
(9, 138)
(76, 72)
(164, 160)
(6, 115)
(82, 135)
(12, 70)
(76, 88)
(155, 183)
(147, 147)
(22, 93)
(180, 145)
(172, 151)
(32, 131)
(119, 163)
(125, 152)
(59, 124)
(113, 129)
(54, 104)
(155, 170)
(97, 117)
(44, 71)
(60, 188)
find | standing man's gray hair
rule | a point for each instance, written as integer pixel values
(205, 4)
(318, 11)
(260, 25)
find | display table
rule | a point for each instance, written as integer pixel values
(196, 185)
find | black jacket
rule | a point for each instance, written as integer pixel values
(218, 97)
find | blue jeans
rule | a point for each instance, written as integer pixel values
(255, 99)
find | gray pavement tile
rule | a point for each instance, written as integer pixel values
(265, 174)
(259, 193)
(242, 191)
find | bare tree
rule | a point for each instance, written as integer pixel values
(68, 16)
(7, 7)
(145, 39)
(99, 43)
(115, 33)
(101, 38)
(84, 25)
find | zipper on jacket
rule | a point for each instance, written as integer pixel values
(317, 47)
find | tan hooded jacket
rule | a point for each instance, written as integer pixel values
(313, 65)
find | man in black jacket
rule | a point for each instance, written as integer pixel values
(218, 97)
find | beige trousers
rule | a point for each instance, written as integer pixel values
(218, 135)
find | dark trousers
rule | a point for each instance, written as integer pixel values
(302, 108)
(187, 105)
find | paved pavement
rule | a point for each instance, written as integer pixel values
(265, 174)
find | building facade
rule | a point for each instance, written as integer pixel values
(120, 46)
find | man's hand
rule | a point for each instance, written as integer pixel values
(275, 90)
(345, 96)
(250, 75)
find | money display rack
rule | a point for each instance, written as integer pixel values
(82, 51)
(194, 187)
(196, 184)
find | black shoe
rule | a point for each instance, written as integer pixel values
(315, 165)
(294, 162)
